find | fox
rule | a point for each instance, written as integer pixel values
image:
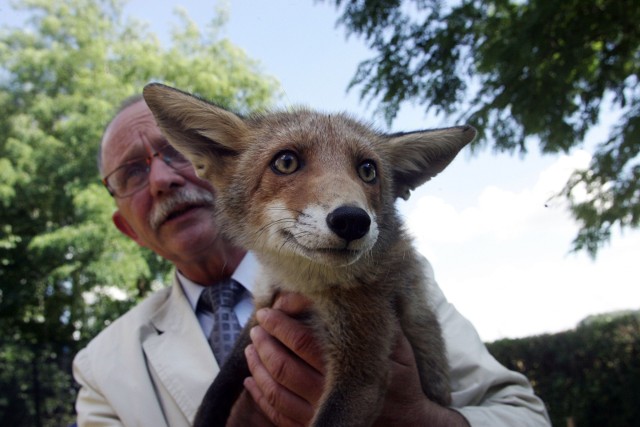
(313, 195)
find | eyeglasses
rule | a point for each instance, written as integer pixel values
(133, 175)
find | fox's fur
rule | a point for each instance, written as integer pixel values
(313, 196)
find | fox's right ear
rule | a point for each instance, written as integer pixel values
(206, 134)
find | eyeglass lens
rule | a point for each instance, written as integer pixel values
(134, 174)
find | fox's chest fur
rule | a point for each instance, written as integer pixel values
(313, 195)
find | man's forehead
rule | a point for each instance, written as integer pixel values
(129, 131)
(133, 119)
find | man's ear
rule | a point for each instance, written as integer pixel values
(206, 134)
(416, 157)
(125, 228)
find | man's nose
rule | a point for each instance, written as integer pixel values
(162, 177)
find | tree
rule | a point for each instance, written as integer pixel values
(519, 71)
(65, 272)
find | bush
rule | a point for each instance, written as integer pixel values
(590, 374)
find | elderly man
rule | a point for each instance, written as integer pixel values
(152, 366)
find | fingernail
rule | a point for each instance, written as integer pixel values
(260, 314)
(248, 351)
(253, 332)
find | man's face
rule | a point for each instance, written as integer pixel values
(172, 215)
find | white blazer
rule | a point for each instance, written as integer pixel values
(152, 366)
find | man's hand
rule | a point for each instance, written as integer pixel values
(287, 370)
(286, 363)
(405, 403)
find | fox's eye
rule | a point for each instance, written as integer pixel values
(285, 163)
(367, 171)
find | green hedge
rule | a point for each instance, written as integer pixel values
(589, 375)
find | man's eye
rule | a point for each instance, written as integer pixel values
(136, 169)
(170, 153)
(171, 156)
(133, 173)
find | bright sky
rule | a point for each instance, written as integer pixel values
(500, 255)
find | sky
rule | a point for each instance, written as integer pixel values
(499, 248)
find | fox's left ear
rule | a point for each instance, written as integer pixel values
(416, 157)
(206, 134)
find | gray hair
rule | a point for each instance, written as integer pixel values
(133, 99)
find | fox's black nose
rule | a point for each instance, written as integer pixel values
(349, 222)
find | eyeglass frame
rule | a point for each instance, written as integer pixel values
(160, 153)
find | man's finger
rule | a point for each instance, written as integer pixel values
(402, 352)
(279, 404)
(293, 334)
(285, 367)
(292, 303)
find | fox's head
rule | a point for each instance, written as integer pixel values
(300, 183)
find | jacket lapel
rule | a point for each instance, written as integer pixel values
(179, 353)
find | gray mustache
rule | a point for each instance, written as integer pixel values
(165, 207)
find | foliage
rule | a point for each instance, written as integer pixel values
(65, 272)
(590, 374)
(519, 71)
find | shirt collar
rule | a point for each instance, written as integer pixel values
(246, 274)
